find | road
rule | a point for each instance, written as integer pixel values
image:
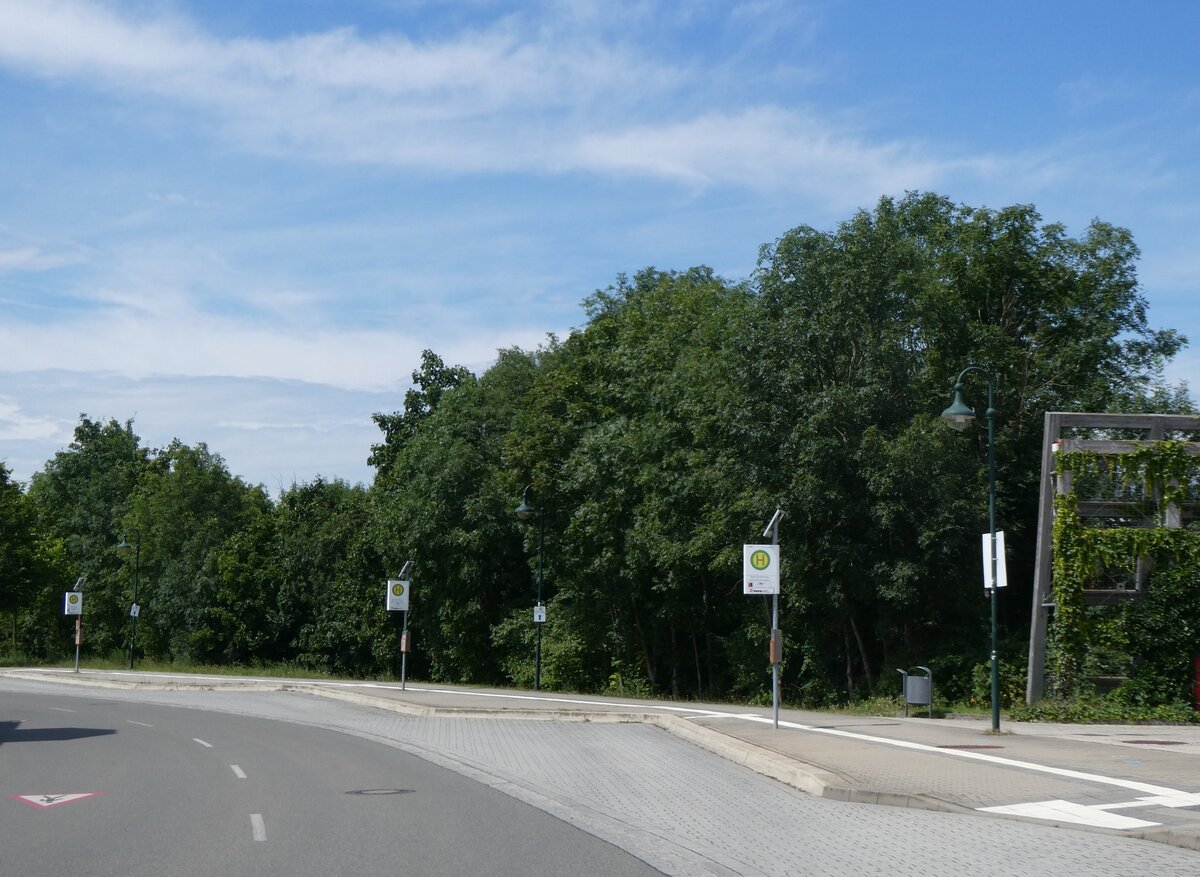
(191, 792)
(489, 796)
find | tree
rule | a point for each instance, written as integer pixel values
(80, 497)
(859, 334)
(633, 432)
(446, 501)
(432, 381)
(186, 504)
(18, 550)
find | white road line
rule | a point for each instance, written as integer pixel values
(258, 826)
(238, 772)
(61, 709)
(202, 743)
(142, 724)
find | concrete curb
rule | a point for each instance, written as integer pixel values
(789, 771)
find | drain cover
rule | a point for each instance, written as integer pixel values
(380, 792)
(1156, 742)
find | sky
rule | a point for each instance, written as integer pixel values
(241, 222)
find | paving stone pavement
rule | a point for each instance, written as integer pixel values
(686, 811)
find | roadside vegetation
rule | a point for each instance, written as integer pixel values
(654, 441)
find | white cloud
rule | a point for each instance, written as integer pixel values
(182, 341)
(316, 429)
(16, 425)
(31, 258)
(765, 148)
(544, 96)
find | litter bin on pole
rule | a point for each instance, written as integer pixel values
(918, 690)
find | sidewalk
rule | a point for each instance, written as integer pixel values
(1139, 781)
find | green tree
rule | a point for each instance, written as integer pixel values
(18, 550)
(446, 502)
(633, 431)
(80, 497)
(185, 505)
(859, 334)
(430, 382)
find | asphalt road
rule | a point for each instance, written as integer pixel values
(191, 792)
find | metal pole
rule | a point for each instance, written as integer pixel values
(537, 658)
(991, 418)
(774, 635)
(404, 651)
(137, 571)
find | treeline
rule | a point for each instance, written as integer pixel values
(654, 441)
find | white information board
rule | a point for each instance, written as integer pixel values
(1001, 572)
(397, 594)
(539, 614)
(72, 603)
(760, 569)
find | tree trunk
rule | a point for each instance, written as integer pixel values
(647, 651)
(849, 667)
(674, 664)
(862, 652)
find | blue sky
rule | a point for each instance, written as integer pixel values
(241, 222)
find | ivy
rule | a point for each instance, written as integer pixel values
(1080, 551)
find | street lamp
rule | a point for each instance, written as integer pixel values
(523, 511)
(124, 547)
(958, 416)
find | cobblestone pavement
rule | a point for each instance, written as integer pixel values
(686, 811)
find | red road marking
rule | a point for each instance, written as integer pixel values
(45, 801)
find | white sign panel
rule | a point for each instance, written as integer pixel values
(539, 614)
(135, 610)
(760, 569)
(1001, 572)
(72, 603)
(397, 594)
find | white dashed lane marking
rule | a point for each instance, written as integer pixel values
(238, 772)
(258, 827)
(202, 743)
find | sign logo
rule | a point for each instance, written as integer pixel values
(760, 560)
(398, 589)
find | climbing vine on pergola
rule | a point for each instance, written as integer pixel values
(1166, 476)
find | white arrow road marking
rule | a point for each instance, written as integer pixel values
(258, 827)
(1097, 814)
(1065, 811)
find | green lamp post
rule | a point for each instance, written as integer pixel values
(959, 416)
(124, 547)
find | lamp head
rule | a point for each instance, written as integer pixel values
(524, 510)
(958, 416)
(124, 546)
